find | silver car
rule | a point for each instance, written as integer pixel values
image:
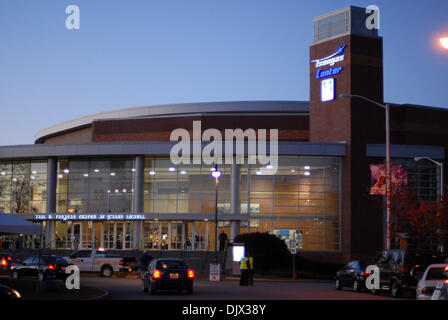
(434, 278)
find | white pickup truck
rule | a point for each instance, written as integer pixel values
(98, 260)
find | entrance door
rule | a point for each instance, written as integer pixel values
(77, 236)
(151, 235)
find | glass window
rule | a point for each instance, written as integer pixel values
(437, 274)
(95, 186)
(28, 260)
(23, 187)
(171, 264)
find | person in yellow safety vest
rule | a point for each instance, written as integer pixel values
(244, 271)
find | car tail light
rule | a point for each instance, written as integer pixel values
(4, 262)
(157, 274)
(121, 262)
(9, 259)
(365, 274)
(51, 267)
(190, 274)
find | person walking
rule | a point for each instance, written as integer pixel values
(244, 271)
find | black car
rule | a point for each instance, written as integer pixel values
(49, 267)
(399, 269)
(8, 294)
(168, 274)
(352, 275)
(7, 261)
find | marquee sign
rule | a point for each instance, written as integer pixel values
(331, 60)
(90, 216)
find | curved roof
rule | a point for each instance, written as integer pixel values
(179, 109)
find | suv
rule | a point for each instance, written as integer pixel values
(399, 269)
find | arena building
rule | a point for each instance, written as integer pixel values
(106, 179)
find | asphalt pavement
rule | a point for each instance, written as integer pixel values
(131, 289)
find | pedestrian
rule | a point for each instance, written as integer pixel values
(145, 260)
(244, 271)
(222, 240)
(251, 269)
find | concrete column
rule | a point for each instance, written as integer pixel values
(235, 204)
(207, 246)
(51, 185)
(81, 235)
(53, 235)
(93, 236)
(139, 175)
(182, 239)
(169, 235)
(114, 245)
(51, 202)
(72, 235)
(124, 235)
(102, 234)
(50, 234)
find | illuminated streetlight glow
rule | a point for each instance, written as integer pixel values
(444, 42)
(216, 174)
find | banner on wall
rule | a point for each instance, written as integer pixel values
(378, 176)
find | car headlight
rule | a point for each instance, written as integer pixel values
(15, 293)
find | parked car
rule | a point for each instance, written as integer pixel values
(7, 261)
(49, 267)
(399, 269)
(434, 274)
(352, 275)
(8, 294)
(168, 274)
(99, 260)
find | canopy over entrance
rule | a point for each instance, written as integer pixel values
(11, 224)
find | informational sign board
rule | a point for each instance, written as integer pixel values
(293, 246)
(238, 252)
(327, 90)
(215, 272)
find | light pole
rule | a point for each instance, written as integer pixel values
(440, 164)
(216, 174)
(388, 171)
(444, 42)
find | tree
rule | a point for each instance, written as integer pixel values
(268, 250)
(423, 223)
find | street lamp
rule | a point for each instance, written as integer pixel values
(216, 174)
(444, 42)
(388, 171)
(440, 164)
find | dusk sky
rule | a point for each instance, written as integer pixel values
(139, 53)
